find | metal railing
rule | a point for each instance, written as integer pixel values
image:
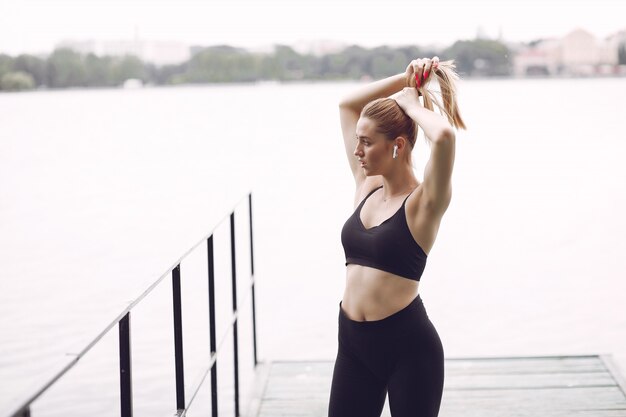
(123, 323)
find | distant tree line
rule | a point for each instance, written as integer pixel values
(66, 68)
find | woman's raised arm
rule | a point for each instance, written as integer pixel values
(437, 187)
(350, 109)
(438, 129)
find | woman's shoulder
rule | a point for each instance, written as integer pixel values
(368, 185)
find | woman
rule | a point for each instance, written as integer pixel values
(387, 344)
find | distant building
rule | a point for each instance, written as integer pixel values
(319, 47)
(157, 52)
(577, 53)
(541, 59)
(580, 48)
(164, 53)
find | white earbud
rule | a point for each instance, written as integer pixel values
(395, 151)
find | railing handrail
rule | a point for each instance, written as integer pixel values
(23, 408)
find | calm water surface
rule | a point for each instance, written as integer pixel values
(102, 191)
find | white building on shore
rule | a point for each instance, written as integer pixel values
(579, 53)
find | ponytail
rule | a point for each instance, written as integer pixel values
(446, 77)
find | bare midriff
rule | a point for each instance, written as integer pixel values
(372, 294)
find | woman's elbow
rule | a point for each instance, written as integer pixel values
(446, 134)
(344, 103)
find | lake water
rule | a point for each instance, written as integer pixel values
(101, 191)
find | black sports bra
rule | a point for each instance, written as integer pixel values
(389, 246)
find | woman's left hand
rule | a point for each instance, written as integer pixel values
(419, 70)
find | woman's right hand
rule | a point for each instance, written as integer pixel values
(407, 98)
(419, 70)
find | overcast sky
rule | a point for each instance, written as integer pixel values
(34, 26)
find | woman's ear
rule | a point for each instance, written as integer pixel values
(401, 142)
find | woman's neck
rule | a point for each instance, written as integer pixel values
(400, 182)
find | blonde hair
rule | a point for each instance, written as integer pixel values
(392, 121)
(447, 78)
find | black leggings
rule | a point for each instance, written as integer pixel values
(400, 354)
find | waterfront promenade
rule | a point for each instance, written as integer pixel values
(546, 386)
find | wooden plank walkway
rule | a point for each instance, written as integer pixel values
(550, 386)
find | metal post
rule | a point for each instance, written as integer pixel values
(24, 412)
(126, 388)
(252, 288)
(178, 339)
(213, 342)
(234, 281)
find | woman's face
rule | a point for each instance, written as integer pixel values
(373, 150)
